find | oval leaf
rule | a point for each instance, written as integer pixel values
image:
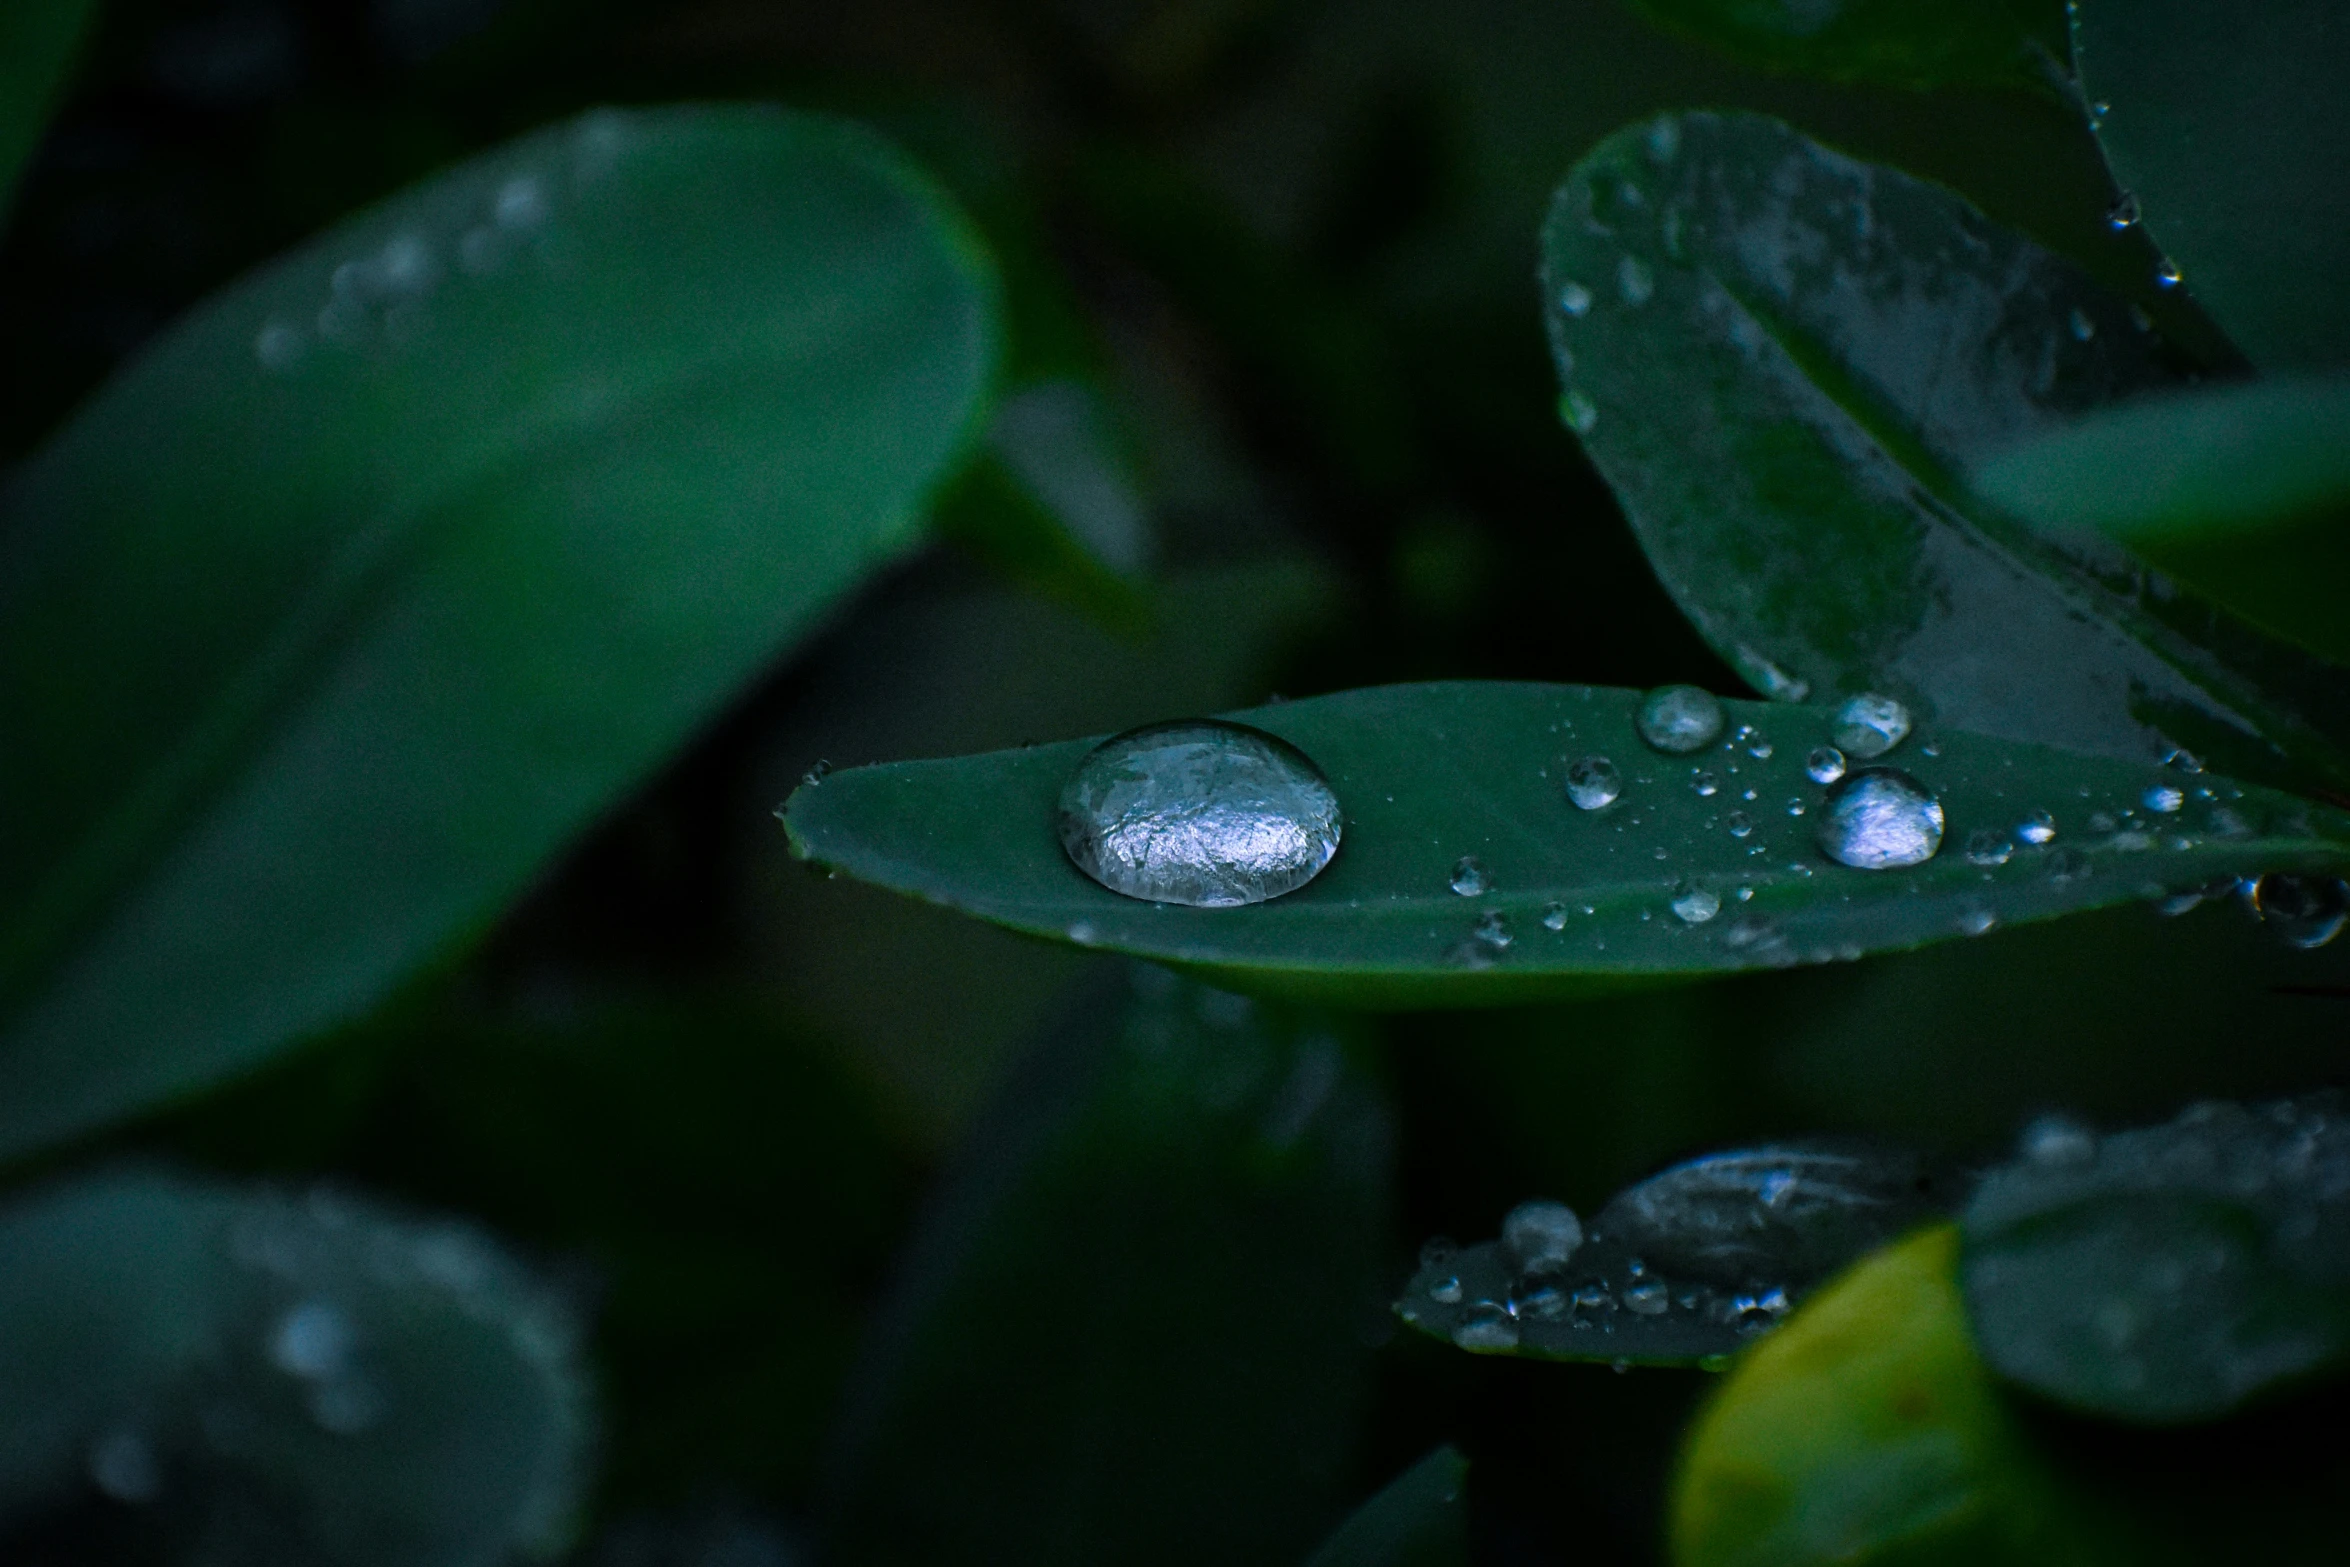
(2170, 1274)
(1865, 1431)
(2241, 491)
(2229, 125)
(1685, 1266)
(1429, 775)
(1783, 360)
(1113, 1339)
(1902, 43)
(344, 607)
(260, 1377)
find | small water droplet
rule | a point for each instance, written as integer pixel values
(521, 204)
(1574, 299)
(2124, 212)
(1578, 412)
(2083, 328)
(1648, 1297)
(1694, 905)
(1680, 719)
(1083, 932)
(1201, 813)
(1988, 846)
(1554, 916)
(817, 774)
(1446, 1291)
(1634, 281)
(2184, 760)
(1706, 785)
(1542, 1234)
(1486, 1326)
(1880, 819)
(1593, 782)
(1974, 919)
(2165, 798)
(1494, 931)
(1758, 745)
(122, 1465)
(2167, 273)
(1870, 724)
(1741, 825)
(1664, 140)
(1795, 805)
(2037, 828)
(1825, 764)
(1468, 876)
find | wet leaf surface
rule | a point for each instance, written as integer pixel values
(2173, 1273)
(1466, 875)
(393, 565)
(1688, 1265)
(196, 1371)
(2242, 491)
(1784, 360)
(2229, 127)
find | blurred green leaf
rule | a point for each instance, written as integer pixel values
(1417, 1521)
(2229, 127)
(196, 1372)
(1122, 1334)
(39, 41)
(1866, 1432)
(1430, 775)
(2169, 1274)
(1784, 360)
(1901, 43)
(353, 599)
(1683, 1267)
(2242, 491)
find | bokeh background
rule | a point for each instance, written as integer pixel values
(776, 1135)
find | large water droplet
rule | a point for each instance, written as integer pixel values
(1468, 876)
(1487, 1326)
(1871, 724)
(1542, 1234)
(2165, 798)
(1694, 904)
(1680, 719)
(1593, 783)
(2307, 911)
(1201, 812)
(1825, 765)
(1880, 819)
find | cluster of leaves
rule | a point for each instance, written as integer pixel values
(360, 593)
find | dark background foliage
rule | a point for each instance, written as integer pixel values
(1295, 242)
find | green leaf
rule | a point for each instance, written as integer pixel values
(1417, 1521)
(2170, 1274)
(2229, 127)
(2241, 491)
(1427, 775)
(1119, 1337)
(1900, 43)
(1686, 1266)
(1865, 1431)
(350, 602)
(39, 41)
(1784, 360)
(282, 1379)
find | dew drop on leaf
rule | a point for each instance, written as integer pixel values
(1541, 1234)
(1988, 846)
(1825, 765)
(1468, 876)
(1202, 813)
(1871, 724)
(2165, 798)
(1694, 905)
(1680, 719)
(2037, 828)
(1880, 819)
(1593, 783)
